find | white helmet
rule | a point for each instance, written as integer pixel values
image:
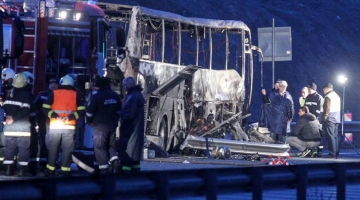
(67, 80)
(7, 73)
(30, 77)
(20, 80)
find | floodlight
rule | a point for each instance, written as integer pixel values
(342, 79)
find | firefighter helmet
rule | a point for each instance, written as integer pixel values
(20, 80)
(29, 77)
(7, 73)
(67, 80)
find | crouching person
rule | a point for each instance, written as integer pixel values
(17, 127)
(306, 134)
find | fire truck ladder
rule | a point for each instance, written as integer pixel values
(27, 60)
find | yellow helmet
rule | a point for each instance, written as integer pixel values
(20, 80)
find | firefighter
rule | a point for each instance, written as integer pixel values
(34, 135)
(132, 127)
(102, 114)
(42, 122)
(7, 75)
(63, 106)
(17, 126)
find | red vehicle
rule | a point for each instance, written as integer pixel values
(51, 41)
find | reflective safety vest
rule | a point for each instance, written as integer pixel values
(335, 107)
(302, 101)
(64, 105)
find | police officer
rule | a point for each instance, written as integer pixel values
(102, 115)
(314, 100)
(42, 121)
(63, 106)
(17, 127)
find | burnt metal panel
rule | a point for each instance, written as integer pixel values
(236, 146)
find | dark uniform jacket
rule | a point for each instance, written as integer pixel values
(104, 109)
(132, 125)
(314, 103)
(18, 104)
(38, 103)
(307, 128)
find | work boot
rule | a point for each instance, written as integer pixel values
(114, 166)
(49, 173)
(136, 168)
(24, 171)
(9, 170)
(65, 174)
(94, 173)
(104, 171)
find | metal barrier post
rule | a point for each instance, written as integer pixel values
(257, 182)
(210, 178)
(340, 174)
(301, 185)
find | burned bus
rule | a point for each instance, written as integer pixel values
(196, 74)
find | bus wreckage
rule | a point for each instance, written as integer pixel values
(188, 108)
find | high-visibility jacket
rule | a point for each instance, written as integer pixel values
(63, 102)
(302, 101)
(332, 114)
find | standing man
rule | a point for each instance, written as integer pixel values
(278, 111)
(7, 76)
(306, 135)
(304, 94)
(331, 119)
(314, 100)
(17, 127)
(131, 127)
(102, 115)
(63, 106)
(43, 122)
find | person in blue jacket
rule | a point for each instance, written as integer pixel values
(277, 112)
(132, 118)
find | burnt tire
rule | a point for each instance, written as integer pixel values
(163, 133)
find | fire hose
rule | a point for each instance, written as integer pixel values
(82, 165)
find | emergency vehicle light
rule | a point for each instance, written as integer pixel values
(77, 16)
(62, 14)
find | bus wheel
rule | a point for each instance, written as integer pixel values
(163, 133)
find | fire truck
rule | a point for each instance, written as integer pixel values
(190, 68)
(58, 38)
